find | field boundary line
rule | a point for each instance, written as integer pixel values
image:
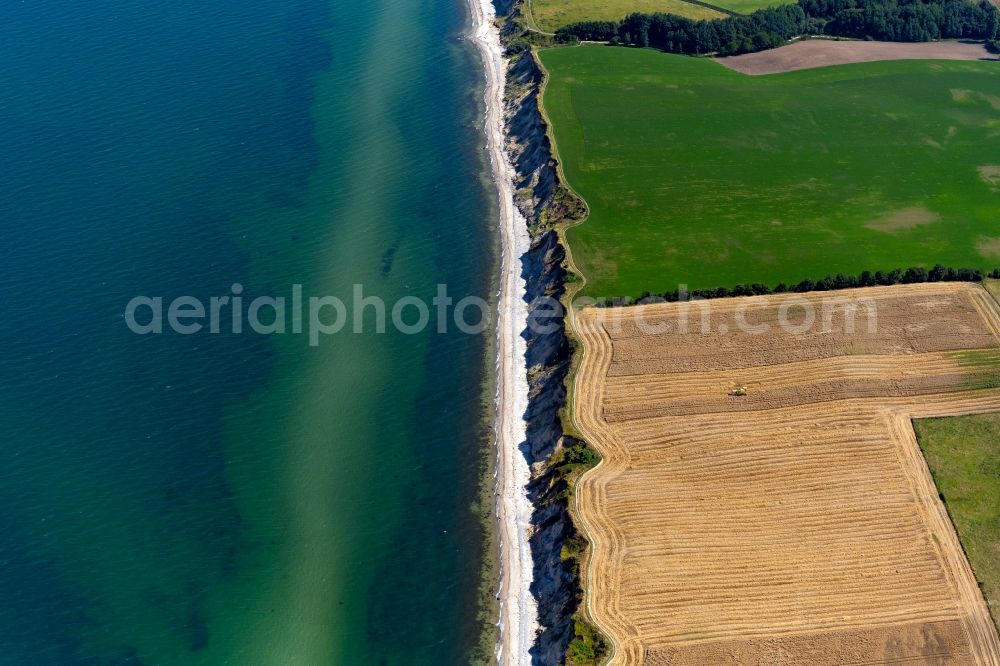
(602, 349)
(718, 8)
(572, 289)
(529, 18)
(983, 639)
(989, 308)
(992, 281)
(577, 352)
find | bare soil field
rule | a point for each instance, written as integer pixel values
(823, 53)
(798, 523)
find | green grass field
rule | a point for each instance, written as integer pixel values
(993, 286)
(699, 175)
(748, 6)
(551, 14)
(963, 454)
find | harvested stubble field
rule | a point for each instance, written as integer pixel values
(797, 524)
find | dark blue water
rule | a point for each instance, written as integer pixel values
(237, 498)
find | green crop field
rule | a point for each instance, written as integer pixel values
(963, 454)
(551, 14)
(699, 175)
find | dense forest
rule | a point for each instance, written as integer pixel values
(884, 20)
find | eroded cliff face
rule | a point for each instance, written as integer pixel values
(538, 196)
(504, 7)
(554, 583)
(528, 143)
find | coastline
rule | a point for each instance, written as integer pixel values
(517, 608)
(554, 454)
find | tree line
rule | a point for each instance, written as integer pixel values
(914, 275)
(884, 20)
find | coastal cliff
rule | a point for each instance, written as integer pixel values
(555, 543)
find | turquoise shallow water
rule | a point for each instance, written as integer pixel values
(238, 499)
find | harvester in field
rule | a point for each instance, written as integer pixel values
(738, 390)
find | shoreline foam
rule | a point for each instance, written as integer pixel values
(518, 612)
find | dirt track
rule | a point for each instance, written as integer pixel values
(797, 524)
(824, 52)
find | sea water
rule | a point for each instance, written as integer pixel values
(239, 498)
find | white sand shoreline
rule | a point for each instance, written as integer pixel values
(518, 612)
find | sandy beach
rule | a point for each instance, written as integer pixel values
(518, 614)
